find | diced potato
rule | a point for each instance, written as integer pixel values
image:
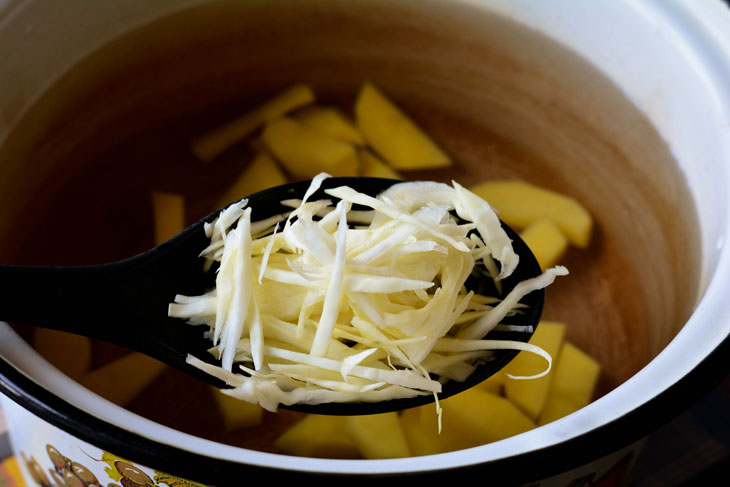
(122, 380)
(520, 204)
(573, 385)
(556, 407)
(394, 135)
(422, 440)
(168, 210)
(546, 241)
(318, 436)
(330, 122)
(69, 353)
(372, 167)
(237, 414)
(304, 152)
(378, 435)
(211, 145)
(493, 384)
(530, 394)
(476, 417)
(261, 174)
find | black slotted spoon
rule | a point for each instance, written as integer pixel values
(126, 302)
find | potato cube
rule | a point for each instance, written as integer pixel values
(520, 204)
(394, 135)
(304, 152)
(494, 383)
(476, 417)
(69, 353)
(530, 394)
(546, 241)
(557, 407)
(372, 167)
(168, 210)
(122, 380)
(211, 145)
(261, 174)
(378, 435)
(237, 414)
(330, 122)
(318, 436)
(422, 438)
(573, 385)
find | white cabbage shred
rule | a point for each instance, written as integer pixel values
(340, 306)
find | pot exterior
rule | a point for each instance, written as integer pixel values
(48, 455)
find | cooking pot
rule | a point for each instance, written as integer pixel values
(623, 104)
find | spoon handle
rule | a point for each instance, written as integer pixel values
(63, 298)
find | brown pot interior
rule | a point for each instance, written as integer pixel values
(506, 102)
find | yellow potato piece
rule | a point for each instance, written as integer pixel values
(261, 174)
(520, 204)
(493, 384)
(557, 407)
(168, 210)
(304, 152)
(530, 394)
(122, 380)
(330, 122)
(211, 145)
(546, 241)
(69, 353)
(476, 417)
(573, 385)
(394, 135)
(422, 439)
(372, 167)
(237, 414)
(318, 436)
(378, 435)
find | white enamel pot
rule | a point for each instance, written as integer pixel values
(625, 101)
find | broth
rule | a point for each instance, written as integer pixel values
(502, 100)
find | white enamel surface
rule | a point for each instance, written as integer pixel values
(671, 58)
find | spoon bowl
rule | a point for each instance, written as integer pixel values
(126, 302)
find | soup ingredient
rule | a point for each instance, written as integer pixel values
(237, 414)
(519, 204)
(69, 353)
(305, 152)
(260, 174)
(546, 242)
(318, 436)
(471, 418)
(378, 435)
(330, 122)
(379, 305)
(168, 212)
(211, 145)
(573, 384)
(530, 395)
(394, 135)
(124, 379)
(372, 167)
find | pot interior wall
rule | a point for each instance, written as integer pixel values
(77, 170)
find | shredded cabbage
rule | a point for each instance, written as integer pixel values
(340, 305)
